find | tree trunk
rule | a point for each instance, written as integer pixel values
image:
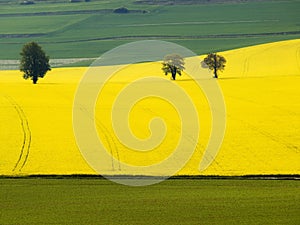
(34, 79)
(174, 73)
(215, 66)
(215, 73)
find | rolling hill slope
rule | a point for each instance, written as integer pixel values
(261, 93)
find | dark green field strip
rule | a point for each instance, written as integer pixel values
(85, 30)
(190, 2)
(12, 6)
(280, 35)
(165, 37)
(42, 25)
(182, 201)
(92, 49)
(59, 13)
(114, 33)
(31, 35)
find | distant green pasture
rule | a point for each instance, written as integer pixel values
(38, 24)
(202, 28)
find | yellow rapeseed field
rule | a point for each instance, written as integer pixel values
(260, 86)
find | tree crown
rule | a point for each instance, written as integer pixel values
(173, 63)
(34, 61)
(215, 61)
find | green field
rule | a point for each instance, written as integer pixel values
(179, 201)
(88, 29)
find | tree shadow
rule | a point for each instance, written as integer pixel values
(186, 79)
(48, 83)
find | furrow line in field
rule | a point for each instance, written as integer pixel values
(254, 154)
(264, 49)
(190, 139)
(105, 137)
(209, 157)
(25, 149)
(274, 138)
(246, 66)
(268, 135)
(109, 139)
(298, 57)
(111, 142)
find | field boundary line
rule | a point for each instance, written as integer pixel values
(295, 177)
(13, 64)
(196, 23)
(138, 37)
